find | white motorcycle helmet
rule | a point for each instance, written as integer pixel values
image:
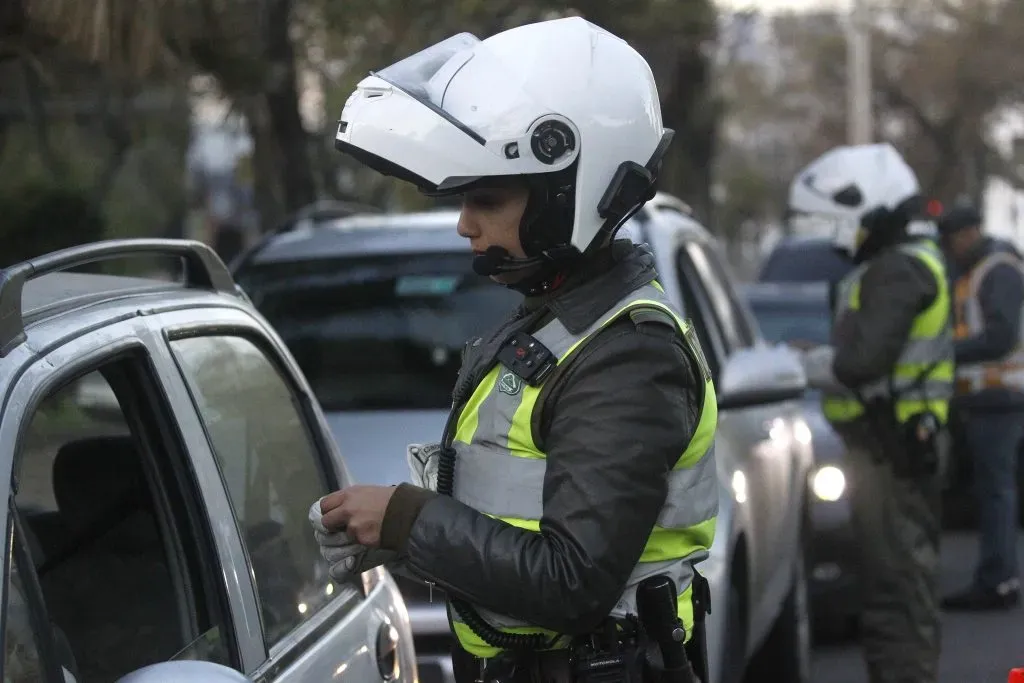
(564, 103)
(862, 196)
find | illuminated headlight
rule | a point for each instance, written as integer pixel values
(802, 433)
(828, 483)
(739, 486)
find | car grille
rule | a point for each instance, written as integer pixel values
(418, 592)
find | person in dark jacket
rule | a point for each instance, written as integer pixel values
(987, 303)
(887, 379)
(577, 460)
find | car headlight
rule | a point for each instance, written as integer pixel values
(739, 486)
(828, 483)
(802, 433)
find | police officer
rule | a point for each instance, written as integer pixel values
(887, 379)
(577, 460)
(988, 298)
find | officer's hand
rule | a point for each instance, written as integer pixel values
(358, 511)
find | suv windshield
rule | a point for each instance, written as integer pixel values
(379, 332)
(789, 321)
(804, 262)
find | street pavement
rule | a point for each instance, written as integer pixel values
(977, 648)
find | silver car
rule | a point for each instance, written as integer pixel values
(376, 309)
(161, 450)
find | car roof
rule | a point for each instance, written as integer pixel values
(44, 296)
(365, 234)
(805, 241)
(781, 292)
(57, 289)
(420, 232)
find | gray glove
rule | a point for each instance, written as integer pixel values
(423, 462)
(817, 364)
(344, 556)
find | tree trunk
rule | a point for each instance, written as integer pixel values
(690, 110)
(267, 171)
(282, 103)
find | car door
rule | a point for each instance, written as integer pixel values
(269, 439)
(115, 561)
(795, 468)
(753, 436)
(741, 329)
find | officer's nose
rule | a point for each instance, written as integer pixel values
(468, 226)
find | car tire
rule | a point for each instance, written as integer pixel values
(733, 656)
(786, 652)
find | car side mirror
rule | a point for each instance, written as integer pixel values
(760, 375)
(185, 670)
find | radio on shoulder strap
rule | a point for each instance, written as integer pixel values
(527, 358)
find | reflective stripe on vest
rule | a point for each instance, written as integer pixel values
(1007, 372)
(500, 470)
(922, 378)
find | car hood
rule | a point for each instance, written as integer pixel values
(373, 443)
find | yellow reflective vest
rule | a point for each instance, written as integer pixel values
(1004, 373)
(500, 470)
(922, 379)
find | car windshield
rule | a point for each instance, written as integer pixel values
(793, 321)
(379, 332)
(804, 263)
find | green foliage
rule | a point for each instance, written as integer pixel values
(41, 216)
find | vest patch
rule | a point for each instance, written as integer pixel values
(510, 383)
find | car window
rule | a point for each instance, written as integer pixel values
(410, 313)
(698, 311)
(734, 329)
(115, 546)
(272, 470)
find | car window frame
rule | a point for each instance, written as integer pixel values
(118, 342)
(290, 647)
(143, 384)
(137, 357)
(744, 317)
(692, 285)
(718, 296)
(16, 554)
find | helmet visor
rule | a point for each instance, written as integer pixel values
(425, 76)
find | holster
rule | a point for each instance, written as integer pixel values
(911, 448)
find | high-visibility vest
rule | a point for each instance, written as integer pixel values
(500, 470)
(922, 379)
(1006, 372)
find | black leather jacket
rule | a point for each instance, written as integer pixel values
(613, 423)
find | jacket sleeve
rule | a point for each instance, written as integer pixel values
(623, 414)
(1001, 296)
(893, 290)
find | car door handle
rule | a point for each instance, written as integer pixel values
(387, 651)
